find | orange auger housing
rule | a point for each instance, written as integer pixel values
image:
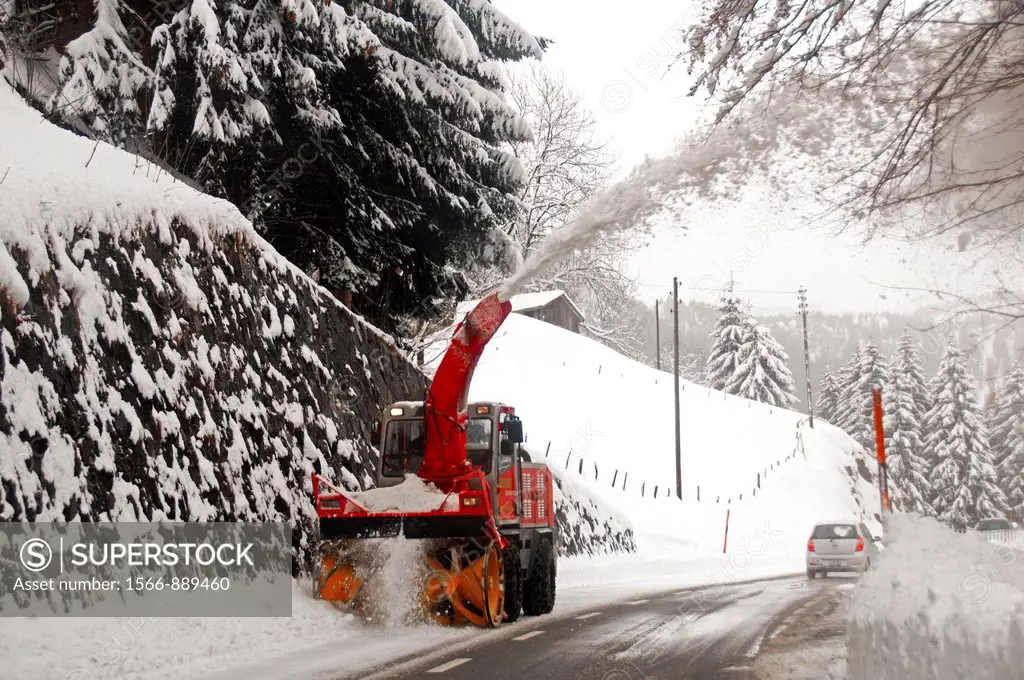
(477, 564)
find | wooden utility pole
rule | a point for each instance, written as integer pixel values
(807, 355)
(675, 352)
(657, 336)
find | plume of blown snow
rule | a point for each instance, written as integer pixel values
(625, 205)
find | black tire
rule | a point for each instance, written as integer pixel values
(513, 583)
(539, 590)
(812, 575)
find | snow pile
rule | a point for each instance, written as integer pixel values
(412, 495)
(938, 606)
(607, 423)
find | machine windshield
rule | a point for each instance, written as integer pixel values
(403, 448)
(478, 432)
(404, 441)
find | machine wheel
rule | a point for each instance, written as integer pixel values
(539, 591)
(513, 583)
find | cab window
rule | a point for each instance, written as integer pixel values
(402, 452)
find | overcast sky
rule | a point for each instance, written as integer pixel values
(620, 61)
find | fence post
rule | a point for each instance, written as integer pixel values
(758, 480)
(698, 493)
(625, 476)
(595, 472)
(725, 541)
(547, 450)
(581, 466)
(614, 478)
(643, 488)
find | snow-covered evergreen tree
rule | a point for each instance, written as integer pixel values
(761, 372)
(865, 371)
(963, 480)
(827, 404)
(905, 400)
(1007, 439)
(101, 78)
(366, 139)
(727, 339)
(847, 400)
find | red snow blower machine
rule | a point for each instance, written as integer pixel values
(487, 550)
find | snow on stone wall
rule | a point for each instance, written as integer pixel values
(158, 359)
(163, 377)
(938, 606)
(587, 526)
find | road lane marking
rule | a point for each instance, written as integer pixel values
(638, 602)
(448, 666)
(588, 616)
(527, 636)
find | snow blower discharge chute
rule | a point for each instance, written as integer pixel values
(488, 545)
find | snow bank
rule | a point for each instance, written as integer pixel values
(938, 606)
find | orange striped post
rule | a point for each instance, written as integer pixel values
(883, 477)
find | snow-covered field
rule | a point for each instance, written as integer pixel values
(938, 606)
(582, 402)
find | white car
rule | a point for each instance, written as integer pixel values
(840, 546)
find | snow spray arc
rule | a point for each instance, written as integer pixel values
(626, 205)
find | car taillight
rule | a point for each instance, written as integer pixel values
(860, 543)
(810, 545)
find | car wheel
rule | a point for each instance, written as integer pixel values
(824, 574)
(811, 575)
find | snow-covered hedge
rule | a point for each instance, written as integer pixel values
(938, 606)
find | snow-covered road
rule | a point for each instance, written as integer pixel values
(703, 633)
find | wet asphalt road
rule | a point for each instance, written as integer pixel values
(703, 634)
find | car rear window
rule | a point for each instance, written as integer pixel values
(835, 531)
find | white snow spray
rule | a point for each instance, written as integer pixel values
(622, 206)
(397, 585)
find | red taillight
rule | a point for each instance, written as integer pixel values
(860, 543)
(810, 545)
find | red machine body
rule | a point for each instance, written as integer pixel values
(499, 496)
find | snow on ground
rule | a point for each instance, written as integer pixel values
(938, 606)
(581, 402)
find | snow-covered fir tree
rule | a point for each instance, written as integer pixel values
(963, 480)
(366, 139)
(905, 400)
(865, 371)
(727, 339)
(846, 402)
(761, 372)
(1007, 439)
(101, 78)
(827, 404)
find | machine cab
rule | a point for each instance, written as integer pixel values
(493, 435)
